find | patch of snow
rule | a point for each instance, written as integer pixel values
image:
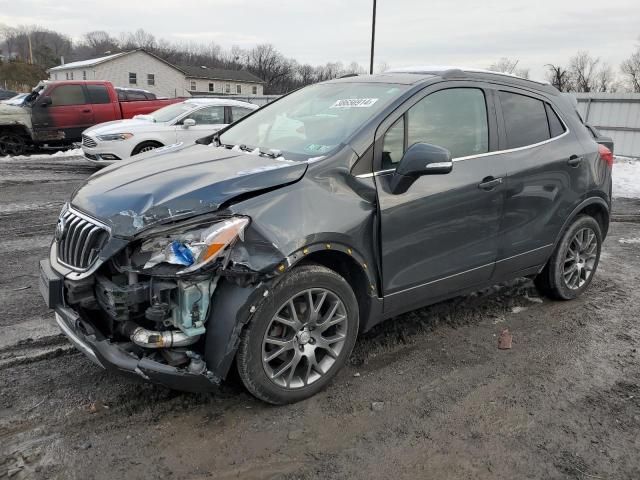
(75, 152)
(626, 177)
(518, 309)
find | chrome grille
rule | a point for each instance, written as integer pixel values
(79, 241)
(88, 142)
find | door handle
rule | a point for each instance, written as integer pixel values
(574, 160)
(86, 110)
(489, 183)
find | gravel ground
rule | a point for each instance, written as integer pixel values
(426, 395)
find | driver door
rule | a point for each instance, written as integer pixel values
(208, 120)
(440, 236)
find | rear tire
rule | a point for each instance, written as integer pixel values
(300, 337)
(146, 147)
(573, 263)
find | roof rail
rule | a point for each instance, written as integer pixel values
(448, 71)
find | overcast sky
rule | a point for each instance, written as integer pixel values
(409, 32)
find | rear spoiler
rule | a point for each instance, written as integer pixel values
(599, 137)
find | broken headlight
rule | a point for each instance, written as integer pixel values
(194, 248)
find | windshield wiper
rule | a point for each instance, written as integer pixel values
(272, 153)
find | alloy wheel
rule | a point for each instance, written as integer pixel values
(11, 144)
(580, 258)
(304, 338)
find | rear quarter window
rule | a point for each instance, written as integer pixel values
(556, 127)
(525, 119)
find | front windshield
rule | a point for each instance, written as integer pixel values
(312, 121)
(168, 113)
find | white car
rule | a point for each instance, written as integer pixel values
(183, 122)
(17, 100)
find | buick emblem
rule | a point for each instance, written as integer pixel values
(61, 229)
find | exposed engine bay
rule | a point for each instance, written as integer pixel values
(153, 297)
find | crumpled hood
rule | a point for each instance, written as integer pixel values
(177, 182)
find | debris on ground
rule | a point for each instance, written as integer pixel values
(534, 299)
(356, 374)
(97, 406)
(505, 340)
(377, 406)
(518, 309)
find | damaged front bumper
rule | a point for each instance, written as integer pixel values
(109, 355)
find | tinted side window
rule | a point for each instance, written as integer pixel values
(555, 125)
(525, 119)
(98, 94)
(238, 112)
(68, 95)
(455, 119)
(208, 116)
(135, 96)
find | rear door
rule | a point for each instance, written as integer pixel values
(104, 109)
(440, 236)
(67, 116)
(547, 177)
(208, 120)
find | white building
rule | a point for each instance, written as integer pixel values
(141, 69)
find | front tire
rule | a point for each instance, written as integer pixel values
(145, 147)
(573, 263)
(12, 144)
(300, 338)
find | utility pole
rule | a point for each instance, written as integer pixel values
(30, 49)
(373, 36)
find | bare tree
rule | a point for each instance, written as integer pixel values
(355, 67)
(381, 67)
(583, 68)
(604, 79)
(504, 65)
(99, 42)
(270, 65)
(631, 69)
(559, 77)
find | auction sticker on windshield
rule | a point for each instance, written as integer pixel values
(354, 103)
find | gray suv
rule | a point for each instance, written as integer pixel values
(271, 244)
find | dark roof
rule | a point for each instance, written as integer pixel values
(451, 74)
(219, 74)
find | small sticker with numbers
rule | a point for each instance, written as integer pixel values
(354, 103)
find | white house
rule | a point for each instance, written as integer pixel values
(141, 69)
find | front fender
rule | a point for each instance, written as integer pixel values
(231, 308)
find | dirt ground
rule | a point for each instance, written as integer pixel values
(564, 402)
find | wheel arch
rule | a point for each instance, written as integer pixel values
(595, 207)
(232, 305)
(146, 141)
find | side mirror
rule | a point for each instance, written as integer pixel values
(420, 159)
(45, 101)
(189, 122)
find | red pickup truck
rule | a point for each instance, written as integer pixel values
(56, 113)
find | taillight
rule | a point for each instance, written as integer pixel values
(605, 155)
